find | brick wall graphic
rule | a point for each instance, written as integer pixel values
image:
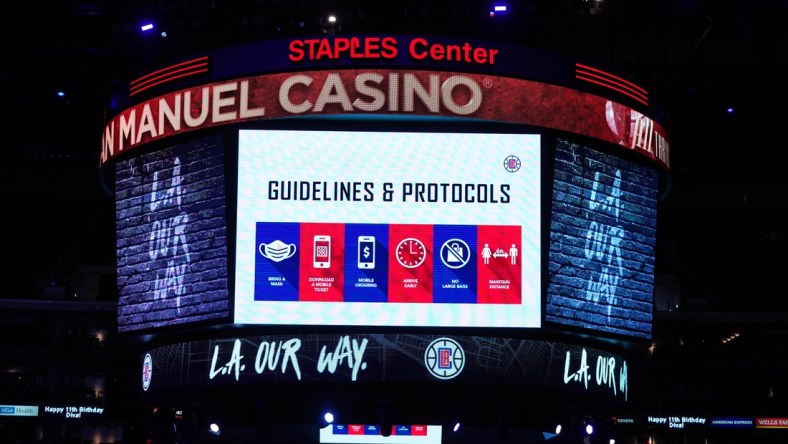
(172, 236)
(602, 237)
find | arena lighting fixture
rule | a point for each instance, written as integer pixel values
(454, 413)
(332, 18)
(498, 8)
(452, 423)
(146, 27)
(555, 432)
(326, 413)
(730, 338)
(215, 429)
(328, 418)
(588, 421)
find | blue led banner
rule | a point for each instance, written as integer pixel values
(602, 241)
(171, 236)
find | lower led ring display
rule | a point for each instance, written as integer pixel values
(362, 358)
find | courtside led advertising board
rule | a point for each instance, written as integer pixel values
(388, 229)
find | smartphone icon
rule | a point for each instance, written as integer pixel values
(366, 252)
(322, 252)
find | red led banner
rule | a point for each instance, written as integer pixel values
(386, 91)
(607, 80)
(162, 76)
(771, 423)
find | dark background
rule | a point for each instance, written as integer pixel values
(718, 67)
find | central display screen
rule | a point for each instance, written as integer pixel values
(388, 229)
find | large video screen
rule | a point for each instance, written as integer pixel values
(172, 236)
(388, 229)
(602, 240)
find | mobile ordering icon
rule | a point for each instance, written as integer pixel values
(366, 252)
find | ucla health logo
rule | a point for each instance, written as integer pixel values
(147, 371)
(444, 358)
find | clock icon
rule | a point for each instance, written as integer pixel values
(411, 252)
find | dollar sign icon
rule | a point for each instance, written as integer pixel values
(366, 252)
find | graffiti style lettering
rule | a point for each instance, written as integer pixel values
(612, 202)
(581, 374)
(603, 243)
(234, 364)
(348, 349)
(623, 382)
(604, 372)
(268, 354)
(168, 237)
(605, 283)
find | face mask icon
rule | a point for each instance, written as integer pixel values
(277, 250)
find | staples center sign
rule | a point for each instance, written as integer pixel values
(388, 48)
(323, 76)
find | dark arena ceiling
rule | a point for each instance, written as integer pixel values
(718, 68)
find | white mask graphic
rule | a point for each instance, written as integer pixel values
(277, 250)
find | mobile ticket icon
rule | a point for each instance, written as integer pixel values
(322, 252)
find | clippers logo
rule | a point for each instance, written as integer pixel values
(444, 358)
(512, 163)
(147, 371)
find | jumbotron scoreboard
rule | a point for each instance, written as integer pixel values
(441, 197)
